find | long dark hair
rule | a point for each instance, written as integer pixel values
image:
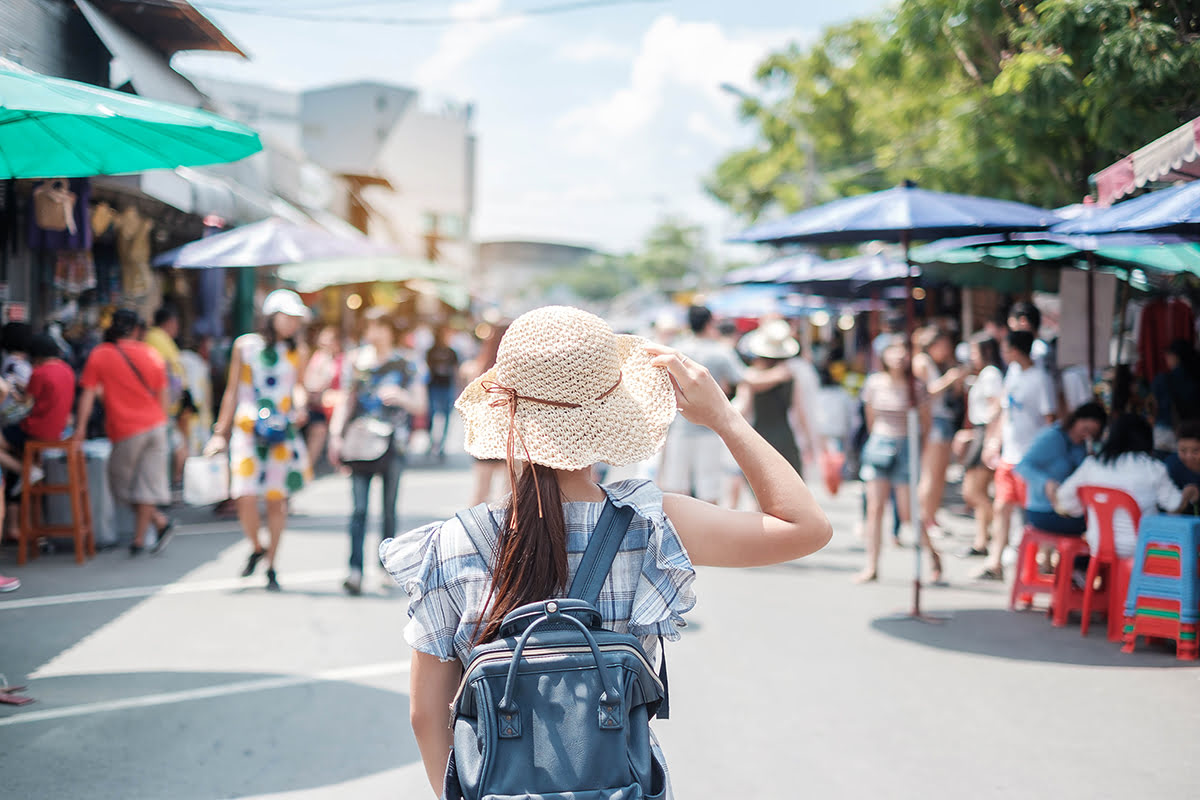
(531, 560)
(1129, 433)
(989, 350)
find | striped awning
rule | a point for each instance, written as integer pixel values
(1174, 157)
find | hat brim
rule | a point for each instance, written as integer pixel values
(772, 348)
(625, 427)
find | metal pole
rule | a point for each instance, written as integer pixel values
(1125, 292)
(914, 433)
(1091, 315)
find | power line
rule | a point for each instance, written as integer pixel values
(309, 13)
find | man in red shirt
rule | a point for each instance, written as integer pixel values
(132, 380)
(51, 390)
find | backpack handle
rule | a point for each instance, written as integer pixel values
(610, 701)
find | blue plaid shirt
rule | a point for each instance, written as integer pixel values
(647, 592)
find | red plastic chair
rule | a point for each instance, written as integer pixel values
(1104, 503)
(1028, 581)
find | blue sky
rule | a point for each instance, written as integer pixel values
(591, 124)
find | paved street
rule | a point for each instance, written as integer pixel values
(170, 677)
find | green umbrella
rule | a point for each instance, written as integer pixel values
(312, 276)
(54, 128)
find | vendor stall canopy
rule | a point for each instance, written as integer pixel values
(1173, 157)
(56, 128)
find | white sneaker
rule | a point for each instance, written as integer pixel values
(353, 583)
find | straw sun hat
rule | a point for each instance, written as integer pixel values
(567, 392)
(772, 339)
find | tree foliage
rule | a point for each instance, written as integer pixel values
(1015, 100)
(673, 253)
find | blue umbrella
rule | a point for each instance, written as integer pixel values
(1174, 210)
(899, 215)
(773, 271)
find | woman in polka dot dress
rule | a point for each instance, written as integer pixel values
(261, 414)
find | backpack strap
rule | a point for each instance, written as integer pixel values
(602, 549)
(481, 528)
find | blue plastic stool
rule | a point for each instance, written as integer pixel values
(1184, 533)
(1149, 604)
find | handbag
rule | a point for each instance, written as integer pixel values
(54, 207)
(367, 444)
(271, 428)
(880, 452)
(206, 480)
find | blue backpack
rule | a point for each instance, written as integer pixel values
(557, 707)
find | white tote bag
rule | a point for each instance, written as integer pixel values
(206, 480)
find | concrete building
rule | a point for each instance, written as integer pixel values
(407, 171)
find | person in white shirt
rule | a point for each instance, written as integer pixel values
(1125, 462)
(1028, 404)
(693, 458)
(983, 407)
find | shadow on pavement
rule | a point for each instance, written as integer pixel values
(1026, 636)
(231, 745)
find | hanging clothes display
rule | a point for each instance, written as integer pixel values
(47, 204)
(139, 288)
(74, 272)
(1162, 321)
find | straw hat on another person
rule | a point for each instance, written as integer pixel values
(772, 340)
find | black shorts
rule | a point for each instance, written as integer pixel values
(16, 437)
(974, 456)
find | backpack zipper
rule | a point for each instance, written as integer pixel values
(536, 652)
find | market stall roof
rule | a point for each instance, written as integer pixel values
(270, 242)
(1173, 210)
(171, 27)
(1173, 157)
(55, 128)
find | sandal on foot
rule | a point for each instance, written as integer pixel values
(989, 574)
(252, 562)
(866, 576)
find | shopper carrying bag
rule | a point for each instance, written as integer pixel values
(566, 572)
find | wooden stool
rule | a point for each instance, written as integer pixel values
(33, 524)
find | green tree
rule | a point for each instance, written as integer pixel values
(999, 98)
(673, 254)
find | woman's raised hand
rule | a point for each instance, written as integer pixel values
(697, 395)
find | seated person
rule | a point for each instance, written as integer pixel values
(1057, 452)
(1125, 462)
(51, 391)
(1184, 464)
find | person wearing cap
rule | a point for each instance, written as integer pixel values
(131, 379)
(566, 392)
(262, 410)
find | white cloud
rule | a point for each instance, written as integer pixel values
(675, 56)
(594, 51)
(461, 42)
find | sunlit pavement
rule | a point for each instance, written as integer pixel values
(171, 677)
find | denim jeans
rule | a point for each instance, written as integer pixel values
(441, 401)
(360, 487)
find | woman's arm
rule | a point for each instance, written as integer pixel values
(224, 424)
(300, 391)
(432, 684)
(791, 523)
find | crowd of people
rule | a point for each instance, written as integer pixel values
(290, 398)
(1024, 433)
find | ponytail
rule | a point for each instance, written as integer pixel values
(531, 559)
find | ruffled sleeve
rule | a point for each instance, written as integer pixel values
(664, 588)
(414, 561)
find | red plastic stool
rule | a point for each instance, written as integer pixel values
(1104, 503)
(1028, 581)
